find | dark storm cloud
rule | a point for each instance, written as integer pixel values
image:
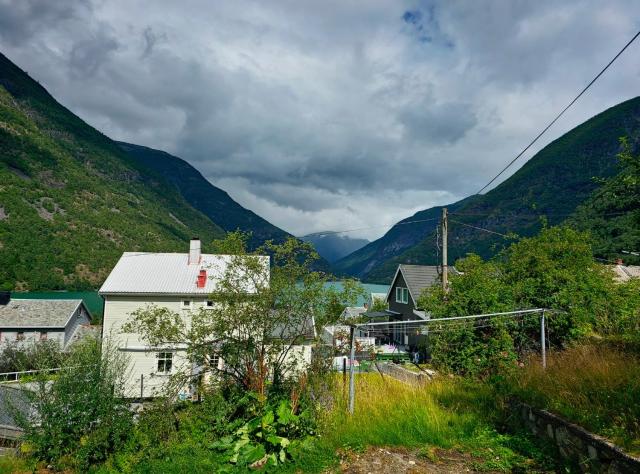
(327, 114)
(20, 20)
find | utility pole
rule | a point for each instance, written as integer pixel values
(352, 379)
(543, 341)
(445, 270)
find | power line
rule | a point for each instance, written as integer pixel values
(480, 228)
(331, 232)
(560, 114)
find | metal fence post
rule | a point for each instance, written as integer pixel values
(141, 386)
(543, 341)
(352, 384)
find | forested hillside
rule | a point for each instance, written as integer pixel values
(71, 200)
(550, 186)
(205, 197)
(612, 213)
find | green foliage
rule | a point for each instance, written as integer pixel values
(554, 270)
(266, 440)
(612, 213)
(16, 357)
(71, 201)
(80, 416)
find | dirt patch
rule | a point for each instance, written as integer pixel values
(404, 461)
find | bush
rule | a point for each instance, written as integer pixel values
(39, 355)
(80, 416)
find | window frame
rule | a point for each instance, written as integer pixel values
(209, 304)
(164, 364)
(44, 335)
(188, 306)
(404, 295)
(20, 336)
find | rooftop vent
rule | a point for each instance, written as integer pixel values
(194, 251)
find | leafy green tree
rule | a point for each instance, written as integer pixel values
(612, 213)
(79, 416)
(554, 270)
(261, 315)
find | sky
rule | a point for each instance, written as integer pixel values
(332, 114)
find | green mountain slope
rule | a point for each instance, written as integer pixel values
(612, 213)
(71, 200)
(205, 197)
(550, 185)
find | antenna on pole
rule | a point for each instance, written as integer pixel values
(445, 270)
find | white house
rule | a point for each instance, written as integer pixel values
(181, 282)
(25, 321)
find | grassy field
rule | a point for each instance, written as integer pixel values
(448, 414)
(595, 386)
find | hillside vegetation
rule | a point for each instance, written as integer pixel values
(550, 186)
(205, 197)
(612, 213)
(71, 201)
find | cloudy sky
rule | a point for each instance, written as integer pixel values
(329, 114)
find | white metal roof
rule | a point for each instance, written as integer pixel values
(166, 273)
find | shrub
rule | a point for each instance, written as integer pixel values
(80, 416)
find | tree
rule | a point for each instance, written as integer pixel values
(261, 318)
(79, 415)
(612, 213)
(554, 270)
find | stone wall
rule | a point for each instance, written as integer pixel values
(402, 374)
(591, 452)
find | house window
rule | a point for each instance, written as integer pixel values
(43, 336)
(20, 336)
(186, 304)
(214, 361)
(165, 360)
(402, 295)
(209, 304)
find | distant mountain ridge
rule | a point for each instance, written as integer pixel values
(72, 200)
(212, 201)
(334, 246)
(550, 186)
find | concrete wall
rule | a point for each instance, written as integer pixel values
(592, 453)
(402, 374)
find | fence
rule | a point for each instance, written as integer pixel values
(16, 376)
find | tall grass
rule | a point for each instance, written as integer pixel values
(596, 386)
(446, 413)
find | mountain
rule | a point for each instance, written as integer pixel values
(333, 246)
(71, 200)
(213, 202)
(612, 213)
(550, 186)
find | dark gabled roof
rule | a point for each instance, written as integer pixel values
(418, 278)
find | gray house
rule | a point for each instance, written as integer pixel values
(27, 321)
(406, 287)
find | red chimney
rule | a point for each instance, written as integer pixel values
(202, 279)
